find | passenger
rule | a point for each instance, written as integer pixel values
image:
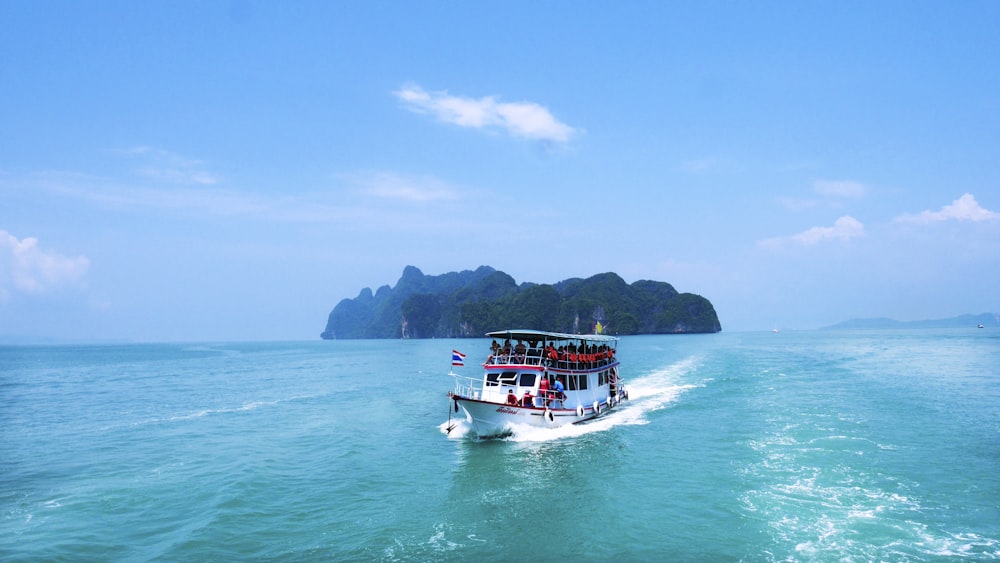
(526, 399)
(559, 391)
(551, 354)
(543, 390)
(519, 351)
(511, 397)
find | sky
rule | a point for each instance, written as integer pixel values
(231, 170)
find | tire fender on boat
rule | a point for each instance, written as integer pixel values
(597, 408)
(549, 416)
(456, 405)
(625, 394)
(579, 410)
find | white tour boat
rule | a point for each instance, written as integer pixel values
(539, 378)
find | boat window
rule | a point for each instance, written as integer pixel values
(583, 382)
(491, 379)
(571, 383)
(508, 377)
(528, 379)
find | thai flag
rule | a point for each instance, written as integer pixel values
(457, 358)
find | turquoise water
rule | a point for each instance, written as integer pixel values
(797, 446)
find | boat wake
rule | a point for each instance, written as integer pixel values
(647, 393)
(205, 412)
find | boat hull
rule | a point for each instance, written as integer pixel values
(490, 419)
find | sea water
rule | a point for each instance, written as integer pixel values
(795, 446)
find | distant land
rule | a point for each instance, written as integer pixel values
(961, 321)
(472, 303)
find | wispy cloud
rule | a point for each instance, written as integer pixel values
(832, 195)
(354, 198)
(843, 229)
(519, 119)
(26, 267)
(123, 194)
(709, 164)
(393, 186)
(169, 166)
(965, 208)
(840, 188)
(799, 203)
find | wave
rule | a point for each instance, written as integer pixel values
(823, 498)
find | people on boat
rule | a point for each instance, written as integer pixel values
(559, 388)
(559, 392)
(543, 390)
(511, 397)
(526, 400)
(494, 352)
(520, 351)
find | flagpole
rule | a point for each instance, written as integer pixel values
(457, 359)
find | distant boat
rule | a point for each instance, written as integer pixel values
(774, 330)
(557, 379)
(980, 326)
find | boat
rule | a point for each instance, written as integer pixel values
(980, 326)
(540, 379)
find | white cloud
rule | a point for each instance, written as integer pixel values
(844, 228)
(25, 267)
(965, 208)
(839, 188)
(699, 165)
(833, 193)
(114, 194)
(326, 205)
(798, 204)
(389, 185)
(520, 119)
(165, 165)
(711, 164)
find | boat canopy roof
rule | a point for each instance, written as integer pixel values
(527, 334)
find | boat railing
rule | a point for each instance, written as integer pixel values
(515, 359)
(466, 386)
(561, 361)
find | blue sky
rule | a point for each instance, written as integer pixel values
(231, 170)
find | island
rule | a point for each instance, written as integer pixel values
(469, 303)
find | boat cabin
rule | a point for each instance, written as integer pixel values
(527, 369)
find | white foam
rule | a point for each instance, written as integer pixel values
(439, 541)
(459, 428)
